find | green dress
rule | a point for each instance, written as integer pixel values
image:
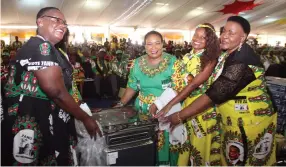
(151, 82)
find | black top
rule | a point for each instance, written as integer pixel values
(235, 75)
(37, 131)
(38, 54)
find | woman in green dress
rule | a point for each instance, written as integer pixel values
(202, 146)
(150, 75)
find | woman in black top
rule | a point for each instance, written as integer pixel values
(38, 128)
(248, 120)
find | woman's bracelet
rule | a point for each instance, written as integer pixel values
(179, 118)
(120, 104)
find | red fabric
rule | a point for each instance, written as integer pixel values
(238, 6)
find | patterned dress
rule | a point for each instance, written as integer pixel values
(4, 72)
(151, 82)
(37, 132)
(248, 119)
(120, 67)
(102, 67)
(202, 147)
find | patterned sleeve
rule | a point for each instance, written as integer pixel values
(177, 77)
(232, 80)
(43, 55)
(114, 67)
(132, 80)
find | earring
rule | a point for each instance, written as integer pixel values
(240, 45)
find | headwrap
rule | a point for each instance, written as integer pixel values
(205, 26)
(242, 22)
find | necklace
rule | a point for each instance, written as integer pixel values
(151, 72)
(218, 69)
(187, 58)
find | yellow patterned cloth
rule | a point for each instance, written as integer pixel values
(202, 147)
(253, 115)
(149, 99)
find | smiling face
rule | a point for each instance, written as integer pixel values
(52, 26)
(154, 46)
(232, 36)
(199, 39)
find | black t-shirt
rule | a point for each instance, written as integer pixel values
(38, 54)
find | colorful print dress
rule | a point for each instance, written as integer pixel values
(102, 67)
(202, 147)
(151, 83)
(248, 119)
(37, 132)
(120, 67)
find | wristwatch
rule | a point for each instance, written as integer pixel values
(120, 104)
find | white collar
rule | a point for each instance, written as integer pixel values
(39, 36)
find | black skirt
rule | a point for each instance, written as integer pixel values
(36, 132)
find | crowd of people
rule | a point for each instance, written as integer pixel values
(219, 81)
(106, 64)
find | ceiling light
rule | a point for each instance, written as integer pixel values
(162, 9)
(200, 8)
(195, 12)
(92, 4)
(162, 4)
(269, 20)
(31, 2)
(266, 16)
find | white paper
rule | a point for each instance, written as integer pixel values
(86, 109)
(74, 156)
(179, 134)
(111, 157)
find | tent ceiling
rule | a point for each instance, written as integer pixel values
(164, 14)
